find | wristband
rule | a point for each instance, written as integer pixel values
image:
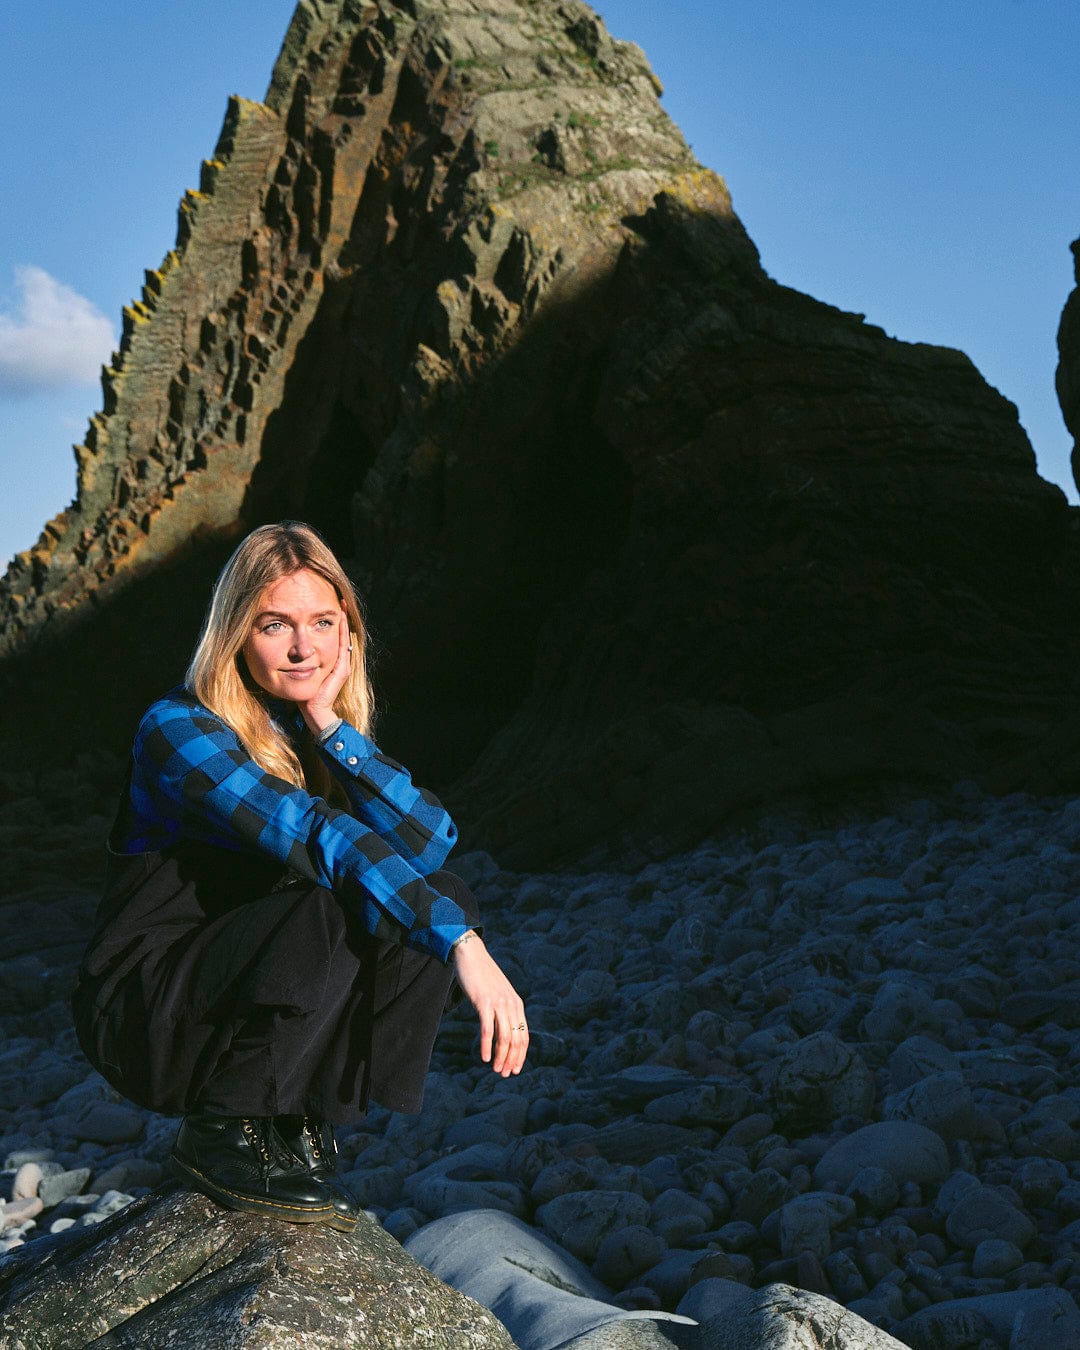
(329, 731)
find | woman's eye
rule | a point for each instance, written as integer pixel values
(325, 623)
(273, 627)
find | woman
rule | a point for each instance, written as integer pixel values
(277, 939)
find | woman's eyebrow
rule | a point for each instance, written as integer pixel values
(280, 614)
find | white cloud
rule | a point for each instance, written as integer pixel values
(52, 338)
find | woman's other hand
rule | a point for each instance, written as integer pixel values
(504, 1035)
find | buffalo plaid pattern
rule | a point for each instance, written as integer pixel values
(192, 780)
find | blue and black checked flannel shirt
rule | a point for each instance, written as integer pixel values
(192, 780)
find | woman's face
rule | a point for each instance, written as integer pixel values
(293, 642)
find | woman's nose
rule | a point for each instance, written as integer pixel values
(301, 647)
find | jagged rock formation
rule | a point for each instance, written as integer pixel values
(174, 1269)
(645, 536)
(1068, 371)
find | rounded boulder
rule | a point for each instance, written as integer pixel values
(906, 1150)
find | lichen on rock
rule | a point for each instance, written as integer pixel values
(175, 1269)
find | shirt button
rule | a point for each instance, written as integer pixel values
(339, 745)
(352, 760)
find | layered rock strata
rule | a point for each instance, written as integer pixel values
(644, 536)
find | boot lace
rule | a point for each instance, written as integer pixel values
(263, 1138)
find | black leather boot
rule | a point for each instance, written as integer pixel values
(242, 1162)
(312, 1142)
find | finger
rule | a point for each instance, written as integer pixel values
(521, 1048)
(516, 1044)
(502, 1044)
(487, 1028)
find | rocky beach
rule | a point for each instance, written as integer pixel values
(739, 637)
(835, 1055)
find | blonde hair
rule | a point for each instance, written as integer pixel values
(218, 675)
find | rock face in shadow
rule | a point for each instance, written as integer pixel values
(645, 536)
(174, 1269)
(1068, 371)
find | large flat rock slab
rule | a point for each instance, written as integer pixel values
(176, 1270)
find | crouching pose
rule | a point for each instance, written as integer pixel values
(278, 939)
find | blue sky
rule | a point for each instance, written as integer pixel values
(917, 163)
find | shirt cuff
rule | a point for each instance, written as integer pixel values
(348, 747)
(439, 942)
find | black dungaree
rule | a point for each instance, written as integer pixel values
(217, 981)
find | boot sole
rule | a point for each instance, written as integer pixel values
(242, 1202)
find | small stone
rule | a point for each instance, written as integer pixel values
(804, 1227)
(876, 1257)
(679, 1270)
(376, 1186)
(111, 1201)
(591, 995)
(806, 1221)
(750, 1130)
(559, 1178)
(636, 1141)
(763, 1192)
(626, 1050)
(110, 1123)
(439, 1195)
(845, 1277)
(982, 1213)
(874, 1190)
(131, 1172)
(953, 1190)
(17, 1212)
(715, 1104)
(481, 1128)
(581, 1220)
(638, 1299)
(906, 1150)
(898, 1011)
(942, 1102)
(1039, 1181)
(819, 1079)
(55, 1188)
(994, 1256)
(718, 1200)
(27, 1180)
(917, 1057)
(676, 1217)
(713, 1297)
(674, 1203)
(403, 1222)
(623, 1255)
(14, 1160)
(527, 1157)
